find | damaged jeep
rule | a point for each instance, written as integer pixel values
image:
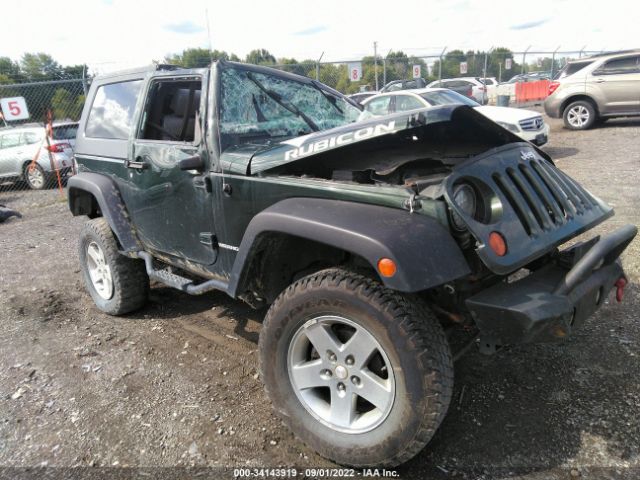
(366, 242)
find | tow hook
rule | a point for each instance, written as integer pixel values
(620, 284)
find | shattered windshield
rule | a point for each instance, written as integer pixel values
(261, 108)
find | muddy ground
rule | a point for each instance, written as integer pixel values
(176, 383)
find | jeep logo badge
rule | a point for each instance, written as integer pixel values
(527, 155)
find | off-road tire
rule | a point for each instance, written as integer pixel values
(130, 280)
(412, 339)
(582, 105)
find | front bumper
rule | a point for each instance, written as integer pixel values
(550, 302)
(537, 137)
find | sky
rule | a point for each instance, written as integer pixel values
(113, 34)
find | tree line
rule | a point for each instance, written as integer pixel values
(65, 100)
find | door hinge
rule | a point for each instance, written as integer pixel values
(203, 182)
(207, 238)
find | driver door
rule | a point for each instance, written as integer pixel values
(172, 209)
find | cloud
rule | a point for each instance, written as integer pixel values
(185, 27)
(527, 25)
(312, 30)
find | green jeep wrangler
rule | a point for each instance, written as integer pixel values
(369, 240)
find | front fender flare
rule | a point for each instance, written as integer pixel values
(424, 251)
(105, 192)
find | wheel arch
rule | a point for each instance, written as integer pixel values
(96, 195)
(425, 253)
(577, 97)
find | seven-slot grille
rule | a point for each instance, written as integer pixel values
(531, 124)
(543, 197)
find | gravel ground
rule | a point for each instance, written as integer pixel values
(176, 383)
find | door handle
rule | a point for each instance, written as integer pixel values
(600, 80)
(139, 164)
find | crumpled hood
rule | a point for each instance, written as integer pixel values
(448, 133)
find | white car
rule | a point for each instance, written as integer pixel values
(26, 155)
(472, 87)
(527, 124)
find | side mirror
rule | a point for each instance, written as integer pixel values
(191, 163)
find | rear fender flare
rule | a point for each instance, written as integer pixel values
(107, 196)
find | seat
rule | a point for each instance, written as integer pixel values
(173, 123)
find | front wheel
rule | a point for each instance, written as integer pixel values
(35, 177)
(360, 373)
(579, 115)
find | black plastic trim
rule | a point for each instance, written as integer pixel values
(107, 195)
(424, 251)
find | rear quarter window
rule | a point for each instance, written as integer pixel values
(65, 132)
(112, 111)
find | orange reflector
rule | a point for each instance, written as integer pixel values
(387, 267)
(498, 244)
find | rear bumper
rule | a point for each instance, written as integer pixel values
(552, 107)
(549, 303)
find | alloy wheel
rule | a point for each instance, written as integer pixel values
(578, 116)
(341, 374)
(99, 271)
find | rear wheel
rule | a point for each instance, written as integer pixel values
(117, 284)
(360, 373)
(579, 115)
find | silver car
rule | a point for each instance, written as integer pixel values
(596, 88)
(26, 155)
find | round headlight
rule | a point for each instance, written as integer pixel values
(464, 196)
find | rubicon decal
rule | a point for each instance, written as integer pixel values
(342, 139)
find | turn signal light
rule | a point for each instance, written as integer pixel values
(387, 267)
(498, 244)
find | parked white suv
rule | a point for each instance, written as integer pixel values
(20, 146)
(527, 124)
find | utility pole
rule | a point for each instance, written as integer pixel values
(318, 67)
(375, 62)
(486, 58)
(553, 61)
(524, 59)
(440, 63)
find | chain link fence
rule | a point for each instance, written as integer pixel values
(374, 73)
(37, 136)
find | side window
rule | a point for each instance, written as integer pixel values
(171, 111)
(111, 114)
(620, 66)
(29, 138)
(10, 140)
(378, 106)
(407, 102)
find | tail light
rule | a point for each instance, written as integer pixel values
(57, 147)
(470, 92)
(553, 86)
